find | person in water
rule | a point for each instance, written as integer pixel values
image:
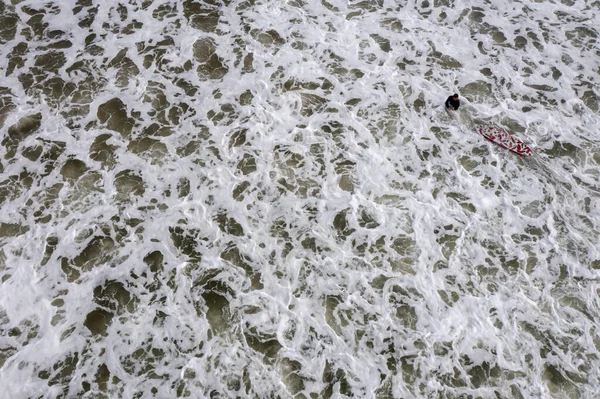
(452, 103)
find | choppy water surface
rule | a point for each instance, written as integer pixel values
(266, 199)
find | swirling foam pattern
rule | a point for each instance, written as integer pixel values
(266, 199)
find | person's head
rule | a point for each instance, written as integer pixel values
(455, 96)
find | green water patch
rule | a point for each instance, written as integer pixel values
(101, 378)
(188, 241)
(342, 225)
(450, 297)
(8, 21)
(312, 103)
(50, 247)
(56, 91)
(6, 352)
(544, 88)
(343, 165)
(61, 373)
(156, 97)
(19, 132)
(565, 149)
(294, 84)
(226, 114)
(6, 349)
(17, 58)
(279, 230)
(393, 24)
(238, 137)
(513, 126)
(126, 68)
(462, 200)
(335, 378)
(239, 190)
(291, 373)
(52, 151)
(88, 16)
(82, 95)
(268, 38)
(201, 15)
(530, 234)
(98, 251)
(114, 296)
(367, 5)
(33, 152)
(313, 244)
(520, 42)
(98, 321)
(577, 304)
(384, 44)
(401, 302)
(366, 219)
(217, 311)
(443, 60)
(228, 225)
(446, 237)
(558, 382)
(331, 303)
(183, 187)
(505, 259)
(336, 65)
(302, 188)
(128, 184)
(166, 11)
(14, 186)
(104, 152)
(194, 143)
(24, 333)
(154, 55)
(470, 164)
(153, 149)
(591, 100)
(476, 90)
(406, 247)
(155, 262)
(265, 344)
(6, 104)
(113, 299)
(583, 37)
(211, 65)
(292, 166)
(73, 169)
(247, 164)
(45, 201)
(113, 114)
(233, 255)
(148, 361)
(157, 130)
(50, 61)
(386, 121)
(287, 158)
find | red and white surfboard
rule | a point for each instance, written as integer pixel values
(504, 139)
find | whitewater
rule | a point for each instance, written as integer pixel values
(267, 199)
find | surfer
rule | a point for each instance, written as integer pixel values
(452, 103)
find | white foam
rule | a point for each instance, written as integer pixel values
(386, 248)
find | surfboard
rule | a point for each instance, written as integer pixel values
(504, 139)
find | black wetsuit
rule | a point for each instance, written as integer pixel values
(453, 103)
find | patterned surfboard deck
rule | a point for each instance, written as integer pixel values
(504, 139)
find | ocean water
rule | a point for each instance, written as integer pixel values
(267, 199)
